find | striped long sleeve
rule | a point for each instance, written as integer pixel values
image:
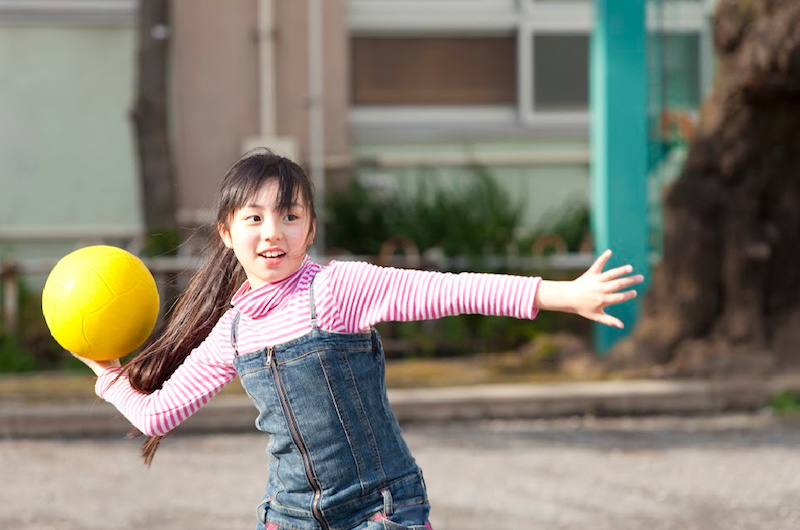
(368, 294)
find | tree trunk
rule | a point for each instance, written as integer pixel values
(726, 297)
(150, 119)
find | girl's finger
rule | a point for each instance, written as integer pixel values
(600, 262)
(608, 320)
(618, 298)
(623, 283)
(616, 272)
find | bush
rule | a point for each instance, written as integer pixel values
(31, 347)
(13, 357)
(785, 403)
(571, 222)
(476, 220)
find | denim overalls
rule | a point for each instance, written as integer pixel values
(337, 458)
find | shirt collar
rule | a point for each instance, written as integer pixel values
(265, 298)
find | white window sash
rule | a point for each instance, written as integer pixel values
(75, 12)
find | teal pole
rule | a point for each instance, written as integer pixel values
(618, 99)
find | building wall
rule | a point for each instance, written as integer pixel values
(66, 151)
(67, 156)
(291, 39)
(215, 95)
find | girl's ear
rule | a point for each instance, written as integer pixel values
(225, 235)
(312, 233)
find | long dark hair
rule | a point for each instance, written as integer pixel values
(208, 294)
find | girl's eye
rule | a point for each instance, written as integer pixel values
(290, 217)
(254, 218)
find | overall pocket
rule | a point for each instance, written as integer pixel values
(381, 521)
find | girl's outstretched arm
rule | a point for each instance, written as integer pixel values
(589, 294)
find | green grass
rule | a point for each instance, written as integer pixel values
(785, 403)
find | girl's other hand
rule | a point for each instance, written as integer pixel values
(593, 291)
(98, 367)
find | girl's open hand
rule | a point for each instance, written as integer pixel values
(593, 291)
(98, 367)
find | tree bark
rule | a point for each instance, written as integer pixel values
(150, 118)
(726, 296)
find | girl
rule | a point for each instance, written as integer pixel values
(299, 336)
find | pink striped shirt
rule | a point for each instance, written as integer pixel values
(350, 297)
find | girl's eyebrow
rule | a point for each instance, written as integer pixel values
(258, 206)
(292, 206)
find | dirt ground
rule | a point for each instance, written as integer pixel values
(736, 472)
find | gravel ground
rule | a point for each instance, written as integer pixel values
(731, 472)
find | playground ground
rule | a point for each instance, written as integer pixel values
(720, 472)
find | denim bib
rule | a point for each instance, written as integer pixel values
(337, 460)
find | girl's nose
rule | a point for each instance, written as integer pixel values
(270, 229)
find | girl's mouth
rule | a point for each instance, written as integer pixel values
(272, 254)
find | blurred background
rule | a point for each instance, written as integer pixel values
(449, 134)
(511, 136)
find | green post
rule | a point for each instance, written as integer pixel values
(619, 145)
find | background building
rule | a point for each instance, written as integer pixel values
(401, 88)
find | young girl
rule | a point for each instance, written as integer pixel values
(300, 338)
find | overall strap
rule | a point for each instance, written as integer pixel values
(312, 303)
(234, 332)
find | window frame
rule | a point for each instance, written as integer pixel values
(547, 18)
(69, 12)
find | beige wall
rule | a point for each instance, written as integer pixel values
(292, 80)
(216, 88)
(215, 93)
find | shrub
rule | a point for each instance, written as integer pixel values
(571, 222)
(476, 220)
(30, 347)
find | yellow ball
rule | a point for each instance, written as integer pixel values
(100, 302)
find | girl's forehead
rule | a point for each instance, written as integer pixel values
(268, 196)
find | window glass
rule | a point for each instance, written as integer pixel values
(681, 70)
(434, 70)
(561, 72)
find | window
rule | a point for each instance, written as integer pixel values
(560, 72)
(433, 70)
(681, 70)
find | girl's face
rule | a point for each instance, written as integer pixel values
(270, 244)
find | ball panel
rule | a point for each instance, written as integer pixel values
(60, 280)
(137, 269)
(124, 324)
(115, 270)
(89, 291)
(67, 326)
